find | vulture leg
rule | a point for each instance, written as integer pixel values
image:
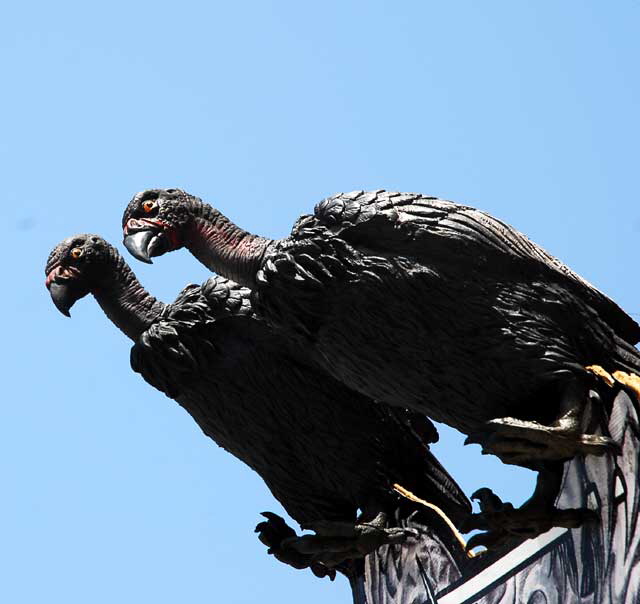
(503, 524)
(334, 541)
(521, 442)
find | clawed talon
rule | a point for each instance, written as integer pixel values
(521, 442)
(518, 442)
(503, 524)
(278, 536)
(333, 543)
(274, 530)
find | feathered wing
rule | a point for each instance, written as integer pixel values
(434, 230)
(164, 355)
(372, 444)
(232, 372)
(172, 360)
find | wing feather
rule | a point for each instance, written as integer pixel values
(434, 230)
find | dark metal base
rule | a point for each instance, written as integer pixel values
(598, 563)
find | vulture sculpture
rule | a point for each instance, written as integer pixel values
(423, 303)
(326, 452)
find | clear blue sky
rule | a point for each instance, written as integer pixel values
(528, 110)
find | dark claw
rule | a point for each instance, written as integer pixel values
(489, 501)
(508, 525)
(321, 571)
(280, 540)
(273, 531)
(488, 540)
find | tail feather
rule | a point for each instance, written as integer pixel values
(441, 490)
(426, 476)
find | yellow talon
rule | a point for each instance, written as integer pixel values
(603, 373)
(631, 380)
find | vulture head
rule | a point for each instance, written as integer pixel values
(87, 264)
(155, 222)
(76, 267)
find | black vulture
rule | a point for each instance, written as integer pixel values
(324, 451)
(422, 303)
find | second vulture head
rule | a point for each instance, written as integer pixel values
(157, 221)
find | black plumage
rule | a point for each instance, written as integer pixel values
(411, 300)
(323, 450)
(423, 303)
(319, 447)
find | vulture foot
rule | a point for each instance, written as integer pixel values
(333, 543)
(505, 525)
(521, 442)
(278, 536)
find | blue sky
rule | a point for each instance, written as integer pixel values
(528, 110)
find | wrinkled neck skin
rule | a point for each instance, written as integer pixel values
(223, 247)
(131, 308)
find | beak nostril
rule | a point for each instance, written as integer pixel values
(133, 223)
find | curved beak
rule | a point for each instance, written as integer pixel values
(65, 295)
(145, 243)
(138, 244)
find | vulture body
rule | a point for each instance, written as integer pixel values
(427, 304)
(411, 300)
(324, 451)
(424, 303)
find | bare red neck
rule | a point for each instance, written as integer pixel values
(223, 247)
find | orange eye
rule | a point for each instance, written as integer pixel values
(76, 252)
(148, 205)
